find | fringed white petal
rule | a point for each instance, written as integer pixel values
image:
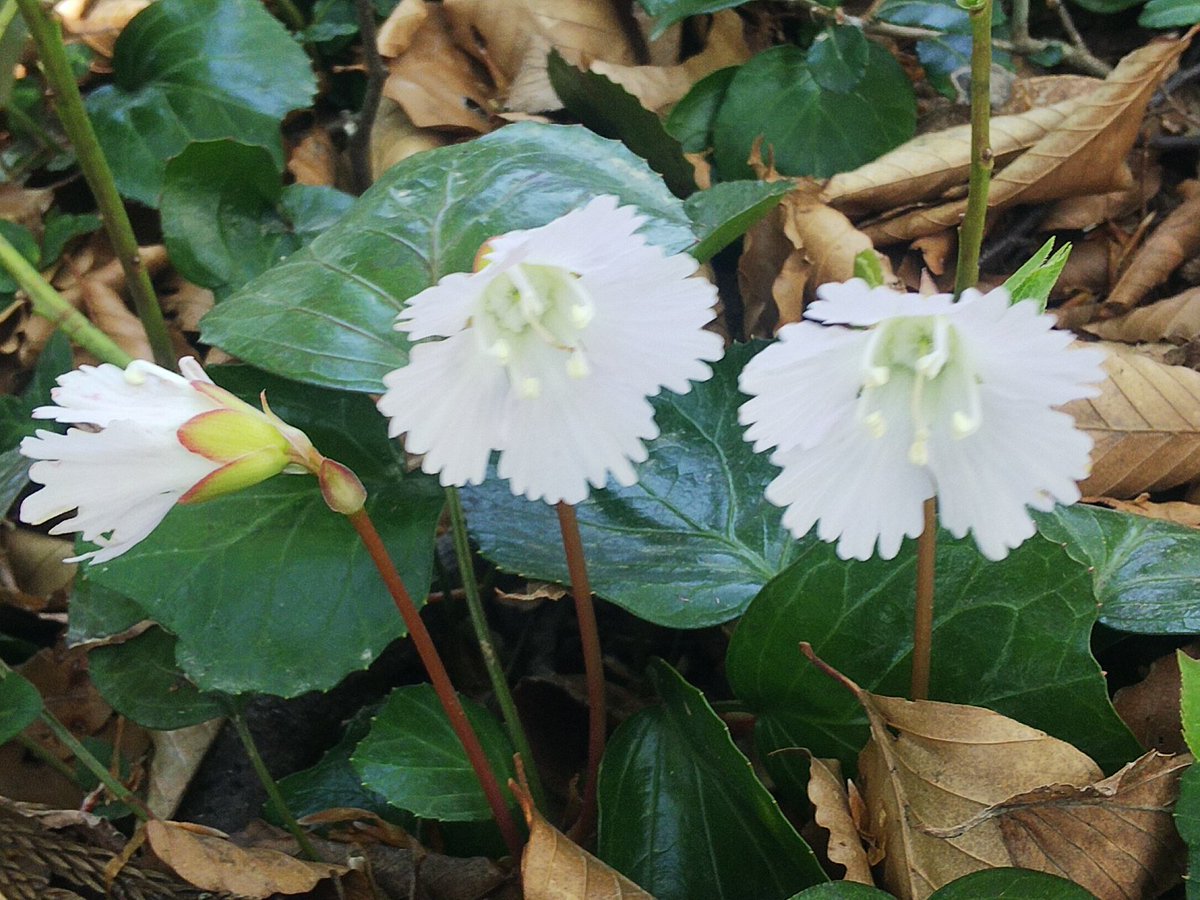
(98, 395)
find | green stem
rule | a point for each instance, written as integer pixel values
(47, 758)
(69, 105)
(970, 233)
(483, 635)
(291, 13)
(93, 765)
(50, 304)
(264, 776)
(18, 117)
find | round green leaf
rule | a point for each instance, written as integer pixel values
(140, 679)
(840, 890)
(688, 545)
(325, 315)
(20, 704)
(413, 757)
(268, 590)
(1006, 883)
(838, 58)
(1169, 14)
(805, 128)
(1011, 636)
(196, 70)
(682, 813)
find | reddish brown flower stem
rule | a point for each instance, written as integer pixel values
(923, 611)
(593, 667)
(440, 678)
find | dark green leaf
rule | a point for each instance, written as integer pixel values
(1144, 571)
(267, 590)
(668, 12)
(841, 890)
(1169, 14)
(196, 70)
(1106, 6)
(691, 119)
(331, 20)
(806, 129)
(1010, 636)
(1187, 821)
(96, 612)
(608, 109)
(61, 228)
(24, 243)
(325, 316)
(413, 758)
(687, 546)
(20, 705)
(682, 813)
(1008, 884)
(13, 37)
(140, 679)
(838, 58)
(726, 211)
(14, 475)
(15, 412)
(1037, 277)
(1189, 694)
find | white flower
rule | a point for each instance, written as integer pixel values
(162, 438)
(926, 397)
(548, 353)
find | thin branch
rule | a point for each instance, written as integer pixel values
(970, 233)
(360, 141)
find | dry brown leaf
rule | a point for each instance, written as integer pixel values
(553, 867)
(1085, 154)
(1115, 837)
(765, 250)
(397, 31)
(1181, 512)
(831, 810)
(394, 137)
(108, 312)
(1145, 424)
(314, 159)
(1080, 213)
(1175, 319)
(36, 561)
(186, 303)
(177, 756)
(98, 23)
(1151, 707)
(25, 206)
(1174, 241)
(934, 765)
(660, 87)
(211, 862)
(1040, 91)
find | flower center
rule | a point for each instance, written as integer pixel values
(926, 350)
(532, 305)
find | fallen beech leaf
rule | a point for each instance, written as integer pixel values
(397, 31)
(98, 24)
(1080, 213)
(1145, 424)
(108, 312)
(1180, 512)
(214, 863)
(1151, 707)
(553, 867)
(1115, 837)
(1175, 240)
(1175, 319)
(177, 756)
(394, 137)
(1046, 90)
(314, 159)
(831, 810)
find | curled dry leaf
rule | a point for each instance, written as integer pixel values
(98, 23)
(314, 159)
(1116, 837)
(1080, 213)
(210, 861)
(1040, 91)
(394, 137)
(1175, 319)
(108, 312)
(177, 756)
(1145, 424)
(1151, 707)
(1174, 241)
(832, 811)
(397, 32)
(553, 867)
(1180, 512)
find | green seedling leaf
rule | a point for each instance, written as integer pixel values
(1189, 672)
(24, 243)
(20, 704)
(325, 315)
(689, 544)
(1037, 277)
(775, 96)
(682, 813)
(667, 12)
(726, 211)
(141, 680)
(1011, 636)
(838, 58)
(226, 217)
(413, 758)
(1187, 821)
(1170, 14)
(609, 110)
(691, 119)
(196, 70)
(61, 228)
(868, 267)
(267, 590)
(1144, 571)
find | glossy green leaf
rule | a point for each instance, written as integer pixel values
(1009, 884)
(1169, 14)
(141, 680)
(1106, 6)
(196, 70)
(1012, 636)
(668, 12)
(726, 211)
(1037, 277)
(609, 110)
(97, 612)
(267, 590)
(1189, 695)
(691, 119)
(226, 217)
(1187, 821)
(840, 890)
(688, 545)
(325, 315)
(806, 129)
(60, 228)
(838, 58)
(682, 812)
(20, 704)
(1144, 570)
(413, 758)
(24, 243)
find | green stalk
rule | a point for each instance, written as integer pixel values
(93, 765)
(50, 304)
(970, 233)
(491, 662)
(69, 105)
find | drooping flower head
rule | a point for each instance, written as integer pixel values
(157, 439)
(916, 397)
(548, 352)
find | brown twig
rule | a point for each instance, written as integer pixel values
(360, 141)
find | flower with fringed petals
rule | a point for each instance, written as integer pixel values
(897, 398)
(548, 352)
